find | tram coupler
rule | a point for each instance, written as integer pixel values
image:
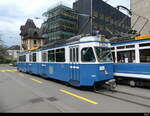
(111, 84)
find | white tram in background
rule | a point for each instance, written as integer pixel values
(132, 61)
(82, 61)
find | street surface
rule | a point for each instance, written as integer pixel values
(20, 92)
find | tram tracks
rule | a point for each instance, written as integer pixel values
(127, 97)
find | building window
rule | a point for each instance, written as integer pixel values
(60, 55)
(34, 42)
(87, 55)
(95, 14)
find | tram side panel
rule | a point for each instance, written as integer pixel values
(132, 68)
(34, 68)
(91, 74)
(58, 71)
(22, 66)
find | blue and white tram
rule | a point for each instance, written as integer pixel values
(80, 63)
(132, 61)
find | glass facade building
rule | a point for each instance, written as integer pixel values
(105, 18)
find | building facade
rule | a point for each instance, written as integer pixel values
(141, 14)
(61, 23)
(106, 19)
(13, 52)
(31, 36)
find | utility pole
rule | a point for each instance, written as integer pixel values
(91, 16)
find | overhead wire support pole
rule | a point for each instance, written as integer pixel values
(91, 16)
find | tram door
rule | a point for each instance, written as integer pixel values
(74, 69)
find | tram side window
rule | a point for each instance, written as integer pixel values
(87, 55)
(30, 58)
(145, 56)
(44, 56)
(126, 56)
(74, 54)
(51, 56)
(22, 58)
(34, 57)
(60, 55)
(113, 54)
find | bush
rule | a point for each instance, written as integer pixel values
(5, 61)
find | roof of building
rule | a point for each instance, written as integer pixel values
(14, 47)
(29, 30)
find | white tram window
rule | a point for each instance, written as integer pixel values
(77, 54)
(44, 57)
(121, 47)
(126, 56)
(30, 58)
(144, 45)
(34, 57)
(113, 48)
(87, 55)
(113, 54)
(51, 56)
(74, 54)
(145, 56)
(22, 58)
(71, 51)
(60, 55)
(130, 46)
(104, 54)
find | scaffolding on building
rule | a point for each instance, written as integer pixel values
(61, 23)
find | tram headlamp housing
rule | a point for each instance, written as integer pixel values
(111, 83)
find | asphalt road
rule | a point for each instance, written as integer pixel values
(21, 92)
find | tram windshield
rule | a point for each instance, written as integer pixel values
(104, 54)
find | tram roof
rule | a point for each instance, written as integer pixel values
(72, 40)
(76, 39)
(138, 39)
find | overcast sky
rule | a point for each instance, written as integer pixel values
(14, 13)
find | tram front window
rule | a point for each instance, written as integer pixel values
(104, 54)
(87, 55)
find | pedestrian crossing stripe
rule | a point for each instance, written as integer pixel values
(9, 70)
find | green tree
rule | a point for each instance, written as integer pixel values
(3, 50)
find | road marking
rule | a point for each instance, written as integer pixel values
(36, 80)
(2, 71)
(77, 96)
(8, 70)
(14, 70)
(11, 70)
